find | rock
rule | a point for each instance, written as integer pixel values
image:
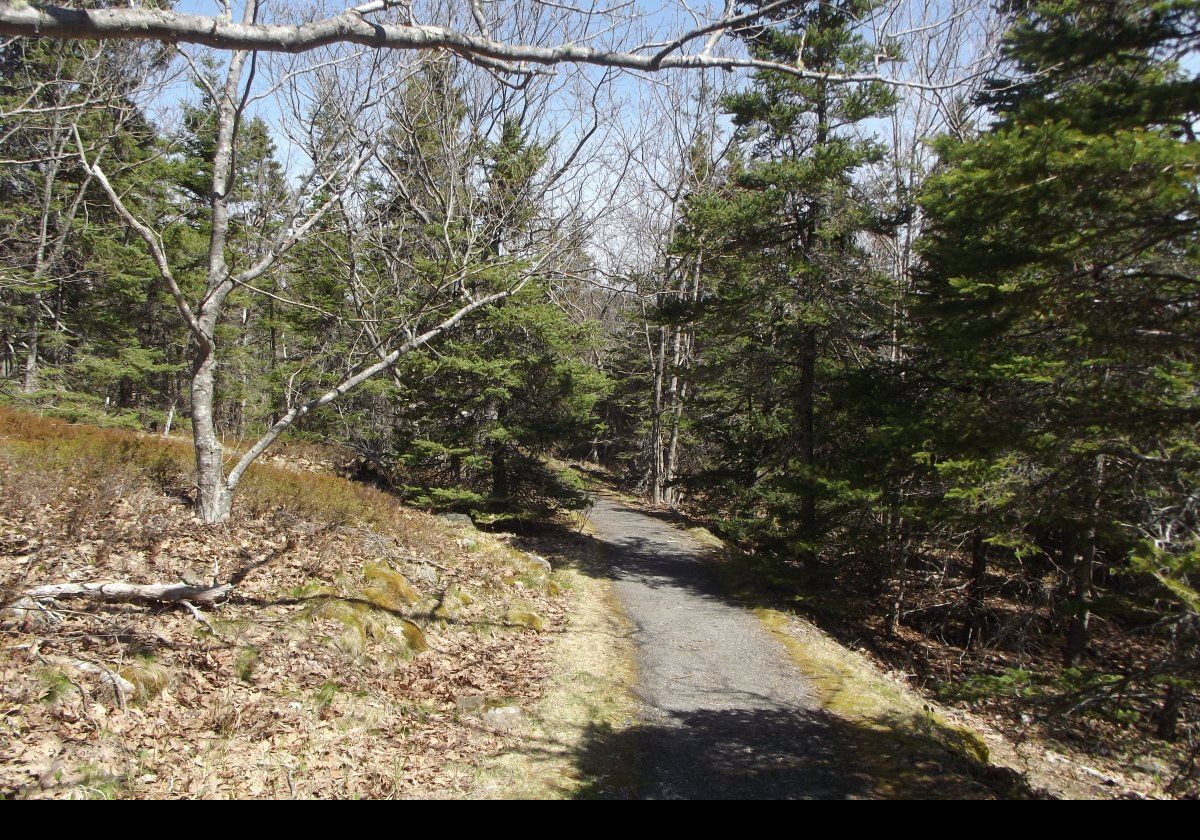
(425, 574)
(503, 717)
(541, 562)
(457, 519)
(469, 704)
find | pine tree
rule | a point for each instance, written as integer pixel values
(481, 413)
(84, 299)
(790, 285)
(1059, 298)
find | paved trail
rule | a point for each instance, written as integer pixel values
(725, 711)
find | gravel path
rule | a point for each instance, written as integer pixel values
(725, 712)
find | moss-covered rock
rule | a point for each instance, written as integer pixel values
(387, 587)
(523, 617)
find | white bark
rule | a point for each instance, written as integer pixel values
(168, 593)
(361, 26)
(352, 382)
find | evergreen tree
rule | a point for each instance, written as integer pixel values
(83, 300)
(480, 414)
(1059, 299)
(789, 286)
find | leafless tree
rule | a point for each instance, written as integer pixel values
(674, 150)
(335, 157)
(949, 48)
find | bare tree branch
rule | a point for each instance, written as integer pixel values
(352, 382)
(153, 243)
(353, 27)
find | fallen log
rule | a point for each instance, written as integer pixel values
(168, 593)
(155, 593)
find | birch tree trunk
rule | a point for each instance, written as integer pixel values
(49, 178)
(213, 496)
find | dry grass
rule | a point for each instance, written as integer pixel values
(334, 671)
(590, 689)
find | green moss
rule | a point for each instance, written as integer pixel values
(387, 588)
(525, 618)
(368, 629)
(414, 636)
(884, 711)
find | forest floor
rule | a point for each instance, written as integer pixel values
(367, 650)
(370, 650)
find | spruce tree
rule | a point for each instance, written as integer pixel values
(789, 282)
(1059, 298)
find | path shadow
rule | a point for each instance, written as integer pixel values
(757, 749)
(654, 552)
(774, 754)
(722, 754)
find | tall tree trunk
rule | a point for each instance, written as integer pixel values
(213, 496)
(806, 398)
(8, 359)
(58, 144)
(1168, 713)
(658, 363)
(899, 572)
(166, 432)
(689, 290)
(1079, 631)
(273, 362)
(975, 612)
(672, 410)
(806, 416)
(29, 381)
(499, 459)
